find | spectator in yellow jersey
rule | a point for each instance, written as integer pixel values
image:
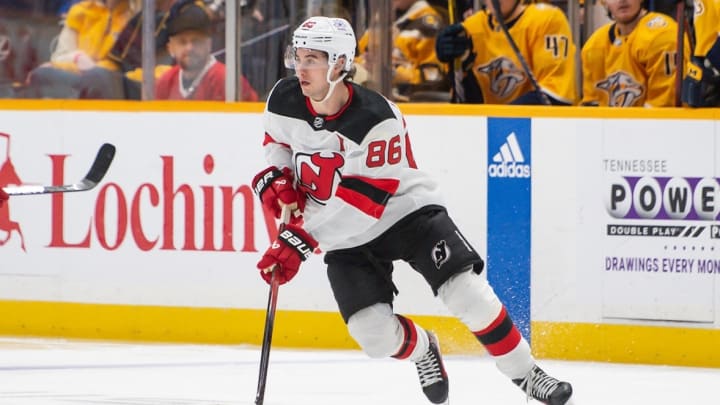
(630, 62)
(416, 68)
(493, 74)
(701, 87)
(77, 67)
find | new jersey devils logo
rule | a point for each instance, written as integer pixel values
(622, 89)
(440, 254)
(8, 176)
(504, 76)
(318, 174)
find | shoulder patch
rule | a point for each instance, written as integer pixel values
(657, 22)
(699, 8)
(428, 25)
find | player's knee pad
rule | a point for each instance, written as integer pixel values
(470, 298)
(377, 330)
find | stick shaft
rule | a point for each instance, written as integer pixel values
(267, 339)
(269, 322)
(526, 67)
(458, 90)
(680, 53)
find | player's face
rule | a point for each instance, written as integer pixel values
(191, 49)
(624, 11)
(311, 68)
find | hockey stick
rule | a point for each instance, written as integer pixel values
(680, 53)
(533, 81)
(269, 321)
(458, 90)
(92, 178)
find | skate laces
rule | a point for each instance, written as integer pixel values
(428, 368)
(539, 385)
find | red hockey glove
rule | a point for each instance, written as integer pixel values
(3, 197)
(292, 246)
(274, 187)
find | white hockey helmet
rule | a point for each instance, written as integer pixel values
(333, 36)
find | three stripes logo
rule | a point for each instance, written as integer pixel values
(509, 161)
(667, 231)
(693, 231)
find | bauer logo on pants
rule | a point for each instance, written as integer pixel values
(8, 176)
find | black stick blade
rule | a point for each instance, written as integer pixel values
(102, 163)
(94, 176)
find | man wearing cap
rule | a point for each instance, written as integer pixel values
(197, 75)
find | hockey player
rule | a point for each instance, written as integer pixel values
(3, 197)
(493, 74)
(341, 153)
(701, 86)
(630, 62)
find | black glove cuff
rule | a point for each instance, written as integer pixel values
(298, 242)
(265, 180)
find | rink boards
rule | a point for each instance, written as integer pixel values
(600, 227)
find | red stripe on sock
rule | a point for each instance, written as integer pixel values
(410, 341)
(506, 345)
(494, 324)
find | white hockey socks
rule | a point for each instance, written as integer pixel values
(473, 301)
(381, 333)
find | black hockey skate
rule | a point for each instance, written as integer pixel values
(546, 389)
(433, 378)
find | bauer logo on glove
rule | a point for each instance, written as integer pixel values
(293, 240)
(292, 247)
(275, 187)
(267, 178)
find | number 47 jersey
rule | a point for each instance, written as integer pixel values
(355, 168)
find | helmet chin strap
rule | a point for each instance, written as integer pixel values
(332, 83)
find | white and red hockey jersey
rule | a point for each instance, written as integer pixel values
(355, 167)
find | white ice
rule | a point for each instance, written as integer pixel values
(40, 371)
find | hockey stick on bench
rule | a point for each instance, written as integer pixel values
(270, 320)
(92, 178)
(513, 45)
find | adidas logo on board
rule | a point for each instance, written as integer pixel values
(508, 162)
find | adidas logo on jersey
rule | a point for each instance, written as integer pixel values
(508, 162)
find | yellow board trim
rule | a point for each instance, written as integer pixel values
(293, 329)
(326, 330)
(638, 344)
(409, 108)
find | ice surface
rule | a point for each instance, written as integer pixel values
(40, 371)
